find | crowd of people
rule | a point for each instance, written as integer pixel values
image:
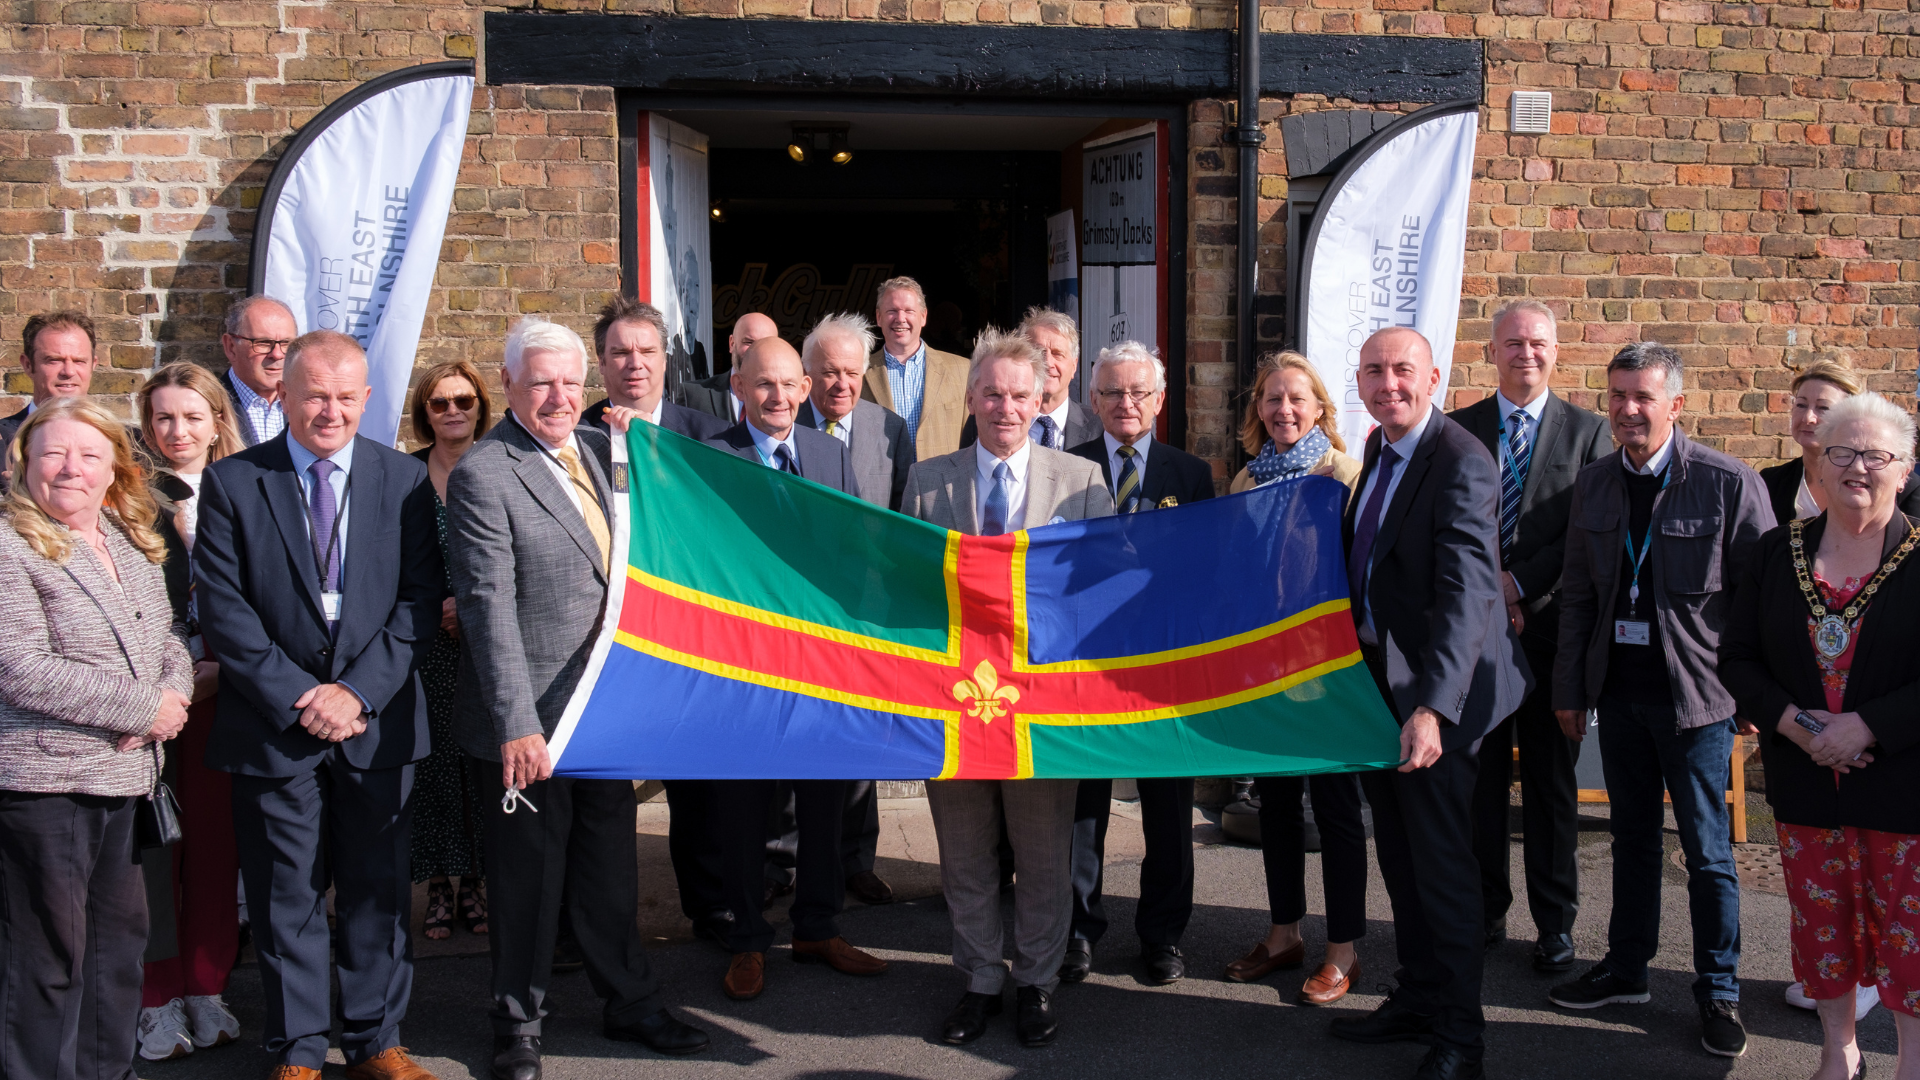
(358, 657)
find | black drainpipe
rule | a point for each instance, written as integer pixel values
(1247, 134)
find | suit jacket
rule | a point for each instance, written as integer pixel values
(678, 419)
(881, 451)
(82, 662)
(259, 591)
(528, 583)
(1081, 426)
(942, 490)
(1171, 473)
(710, 396)
(943, 401)
(1783, 486)
(823, 458)
(1438, 610)
(10, 426)
(1568, 439)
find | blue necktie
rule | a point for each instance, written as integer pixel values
(1513, 481)
(1368, 524)
(1045, 432)
(998, 504)
(1127, 491)
(783, 460)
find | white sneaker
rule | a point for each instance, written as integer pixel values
(163, 1032)
(213, 1024)
(1864, 999)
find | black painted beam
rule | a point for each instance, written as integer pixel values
(646, 52)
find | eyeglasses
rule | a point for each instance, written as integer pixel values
(1874, 460)
(265, 346)
(1135, 396)
(463, 402)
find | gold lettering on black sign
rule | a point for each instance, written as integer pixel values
(797, 299)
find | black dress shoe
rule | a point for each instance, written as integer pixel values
(661, 1033)
(775, 890)
(870, 888)
(1165, 964)
(968, 1020)
(516, 1057)
(1446, 1062)
(715, 928)
(566, 955)
(1391, 1022)
(1553, 952)
(1495, 936)
(1035, 1023)
(1078, 963)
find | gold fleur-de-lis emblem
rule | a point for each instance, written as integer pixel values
(990, 700)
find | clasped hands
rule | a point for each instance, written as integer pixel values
(331, 712)
(168, 719)
(1842, 747)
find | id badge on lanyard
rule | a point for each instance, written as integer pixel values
(1638, 631)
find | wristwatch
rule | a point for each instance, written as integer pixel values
(1807, 720)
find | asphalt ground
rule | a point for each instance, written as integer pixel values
(813, 1022)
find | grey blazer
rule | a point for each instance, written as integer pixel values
(941, 490)
(882, 452)
(82, 662)
(528, 582)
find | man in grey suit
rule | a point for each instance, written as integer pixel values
(1060, 423)
(1004, 483)
(529, 538)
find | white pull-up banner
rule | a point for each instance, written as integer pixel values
(350, 227)
(1387, 248)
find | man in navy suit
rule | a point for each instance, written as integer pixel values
(1423, 565)
(319, 582)
(771, 384)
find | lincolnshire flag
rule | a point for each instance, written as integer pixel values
(768, 627)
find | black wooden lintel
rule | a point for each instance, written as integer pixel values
(668, 53)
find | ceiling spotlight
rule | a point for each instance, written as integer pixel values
(718, 211)
(841, 153)
(800, 143)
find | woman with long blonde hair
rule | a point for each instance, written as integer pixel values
(1290, 429)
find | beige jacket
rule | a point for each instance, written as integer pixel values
(943, 402)
(1345, 469)
(82, 662)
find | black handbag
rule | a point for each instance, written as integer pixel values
(156, 820)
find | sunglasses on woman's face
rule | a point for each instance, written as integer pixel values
(463, 402)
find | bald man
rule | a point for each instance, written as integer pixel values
(715, 395)
(772, 386)
(1423, 558)
(317, 568)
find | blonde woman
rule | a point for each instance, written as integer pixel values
(94, 675)
(187, 422)
(1793, 487)
(1289, 427)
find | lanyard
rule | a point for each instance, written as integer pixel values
(323, 556)
(1639, 560)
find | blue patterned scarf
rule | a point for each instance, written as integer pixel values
(1297, 461)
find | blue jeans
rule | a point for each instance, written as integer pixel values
(1642, 752)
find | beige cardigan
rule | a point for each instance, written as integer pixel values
(82, 661)
(1345, 469)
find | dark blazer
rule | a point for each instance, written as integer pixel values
(881, 457)
(260, 608)
(823, 458)
(1783, 486)
(1435, 587)
(1081, 426)
(240, 418)
(1172, 473)
(10, 425)
(1569, 438)
(1766, 659)
(678, 419)
(178, 574)
(709, 395)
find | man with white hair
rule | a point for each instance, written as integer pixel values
(836, 355)
(528, 525)
(1129, 385)
(1005, 484)
(317, 567)
(925, 386)
(1061, 423)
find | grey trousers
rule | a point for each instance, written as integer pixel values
(1039, 818)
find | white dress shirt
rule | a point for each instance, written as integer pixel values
(558, 470)
(1655, 463)
(1144, 444)
(303, 459)
(984, 462)
(842, 429)
(1404, 447)
(1059, 417)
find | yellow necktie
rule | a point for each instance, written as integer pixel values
(832, 425)
(589, 503)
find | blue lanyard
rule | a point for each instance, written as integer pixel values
(1646, 544)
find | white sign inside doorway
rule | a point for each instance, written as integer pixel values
(1119, 244)
(675, 262)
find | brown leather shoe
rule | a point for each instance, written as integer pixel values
(1326, 986)
(293, 1072)
(838, 955)
(1257, 965)
(389, 1064)
(746, 976)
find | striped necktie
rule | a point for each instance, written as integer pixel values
(1513, 480)
(1126, 493)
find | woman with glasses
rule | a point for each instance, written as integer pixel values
(449, 414)
(1289, 428)
(1790, 486)
(1818, 652)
